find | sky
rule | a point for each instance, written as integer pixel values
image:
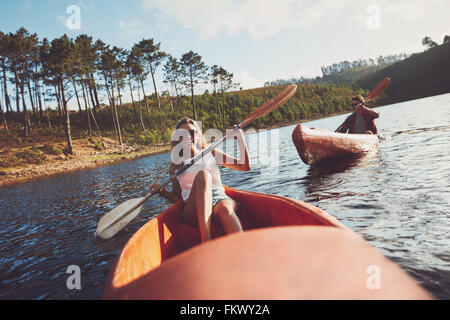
(256, 40)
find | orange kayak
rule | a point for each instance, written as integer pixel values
(318, 145)
(289, 250)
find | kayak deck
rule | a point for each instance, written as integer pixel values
(165, 235)
(319, 146)
(293, 262)
(305, 254)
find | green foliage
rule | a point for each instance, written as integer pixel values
(27, 156)
(51, 149)
(345, 72)
(309, 101)
(97, 143)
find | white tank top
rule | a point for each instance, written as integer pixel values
(186, 179)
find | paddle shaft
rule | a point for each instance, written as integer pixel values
(176, 174)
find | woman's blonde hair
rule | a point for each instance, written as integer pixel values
(201, 143)
(184, 121)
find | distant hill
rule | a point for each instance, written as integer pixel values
(344, 72)
(350, 76)
(421, 75)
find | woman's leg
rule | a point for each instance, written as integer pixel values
(225, 211)
(198, 207)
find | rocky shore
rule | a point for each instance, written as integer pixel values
(85, 156)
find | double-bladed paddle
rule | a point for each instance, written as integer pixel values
(115, 220)
(376, 91)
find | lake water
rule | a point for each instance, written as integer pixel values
(397, 198)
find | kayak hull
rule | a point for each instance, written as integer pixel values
(288, 249)
(316, 146)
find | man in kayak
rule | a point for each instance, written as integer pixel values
(362, 120)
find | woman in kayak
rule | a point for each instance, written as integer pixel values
(360, 121)
(200, 186)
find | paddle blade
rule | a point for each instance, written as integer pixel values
(270, 105)
(112, 222)
(379, 88)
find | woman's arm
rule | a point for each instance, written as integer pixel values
(174, 195)
(171, 196)
(231, 162)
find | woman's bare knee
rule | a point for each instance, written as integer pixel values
(225, 212)
(203, 176)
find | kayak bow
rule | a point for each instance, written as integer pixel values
(319, 146)
(289, 250)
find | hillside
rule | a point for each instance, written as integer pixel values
(421, 75)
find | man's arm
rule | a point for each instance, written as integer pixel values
(345, 126)
(368, 111)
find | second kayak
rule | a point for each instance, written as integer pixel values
(318, 145)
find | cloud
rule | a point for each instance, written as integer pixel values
(26, 5)
(247, 81)
(411, 11)
(260, 19)
(130, 27)
(62, 20)
(86, 4)
(321, 10)
(308, 73)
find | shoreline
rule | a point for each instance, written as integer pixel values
(115, 154)
(69, 164)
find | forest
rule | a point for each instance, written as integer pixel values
(413, 76)
(36, 74)
(421, 75)
(345, 72)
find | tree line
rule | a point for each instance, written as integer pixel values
(41, 71)
(350, 72)
(421, 75)
(359, 63)
(429, 43)
(344, 72)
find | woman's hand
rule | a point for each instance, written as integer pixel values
(234, 134)
(156, 188)
(243, 164)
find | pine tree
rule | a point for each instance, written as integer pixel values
(193, 70)
(153, 55)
